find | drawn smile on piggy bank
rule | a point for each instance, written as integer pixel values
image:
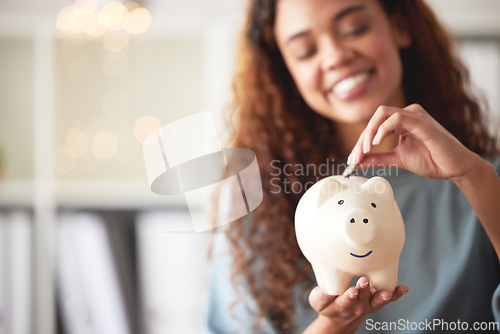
(361, 256)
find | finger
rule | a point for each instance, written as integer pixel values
(403, 122)
(415, 107)
(380, 116)
(381, 159)
(380, 299)
(364, 144)
(394, 124)
(319, 300)
(363, 286)
(399, 292)
(348, 300)
(412, 120)
(355, 156)
(423, 115)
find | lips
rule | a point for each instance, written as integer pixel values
(351, 85)
(361, 256)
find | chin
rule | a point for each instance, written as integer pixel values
(350, 115)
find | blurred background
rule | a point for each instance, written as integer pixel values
(85, 246)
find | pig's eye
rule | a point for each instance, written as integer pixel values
(341, 202)
(374, 205)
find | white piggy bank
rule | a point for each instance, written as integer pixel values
(348, 227)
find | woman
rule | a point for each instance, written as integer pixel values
(340, 80)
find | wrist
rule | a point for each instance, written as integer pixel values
(328, 325)
(479, 170)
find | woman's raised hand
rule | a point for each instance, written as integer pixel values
(425, 147)
(344, 313)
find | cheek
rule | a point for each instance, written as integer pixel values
(388, 59)
(308, 81)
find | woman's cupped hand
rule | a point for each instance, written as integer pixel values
(345, 313)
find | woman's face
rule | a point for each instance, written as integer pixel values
(343, 55)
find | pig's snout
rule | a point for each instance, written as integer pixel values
(360, 227)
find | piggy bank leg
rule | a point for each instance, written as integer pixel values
(332, 280)
(386, 279)
(317, 273)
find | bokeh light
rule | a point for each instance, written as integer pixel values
(116, 41)
(93, 27)
(85, 7)
(104, 144)
(85, 17)
(139, 21)
(70, 21)
(131, 6)
(144, 126)
(76, 143)
(113, 16)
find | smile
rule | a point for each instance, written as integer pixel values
(350, 82)
(351, 86)
(361, 256)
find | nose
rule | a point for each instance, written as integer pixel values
(334, 53)
(360, 228)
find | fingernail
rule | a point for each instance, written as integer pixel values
(387, 298)
(349, 159)
(376, 139)
(354, 158)
(353, 295)
(365, 284)
(366, 147)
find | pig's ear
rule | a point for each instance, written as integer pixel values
(379, 186)
(328, 188)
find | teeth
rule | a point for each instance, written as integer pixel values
(350, 82)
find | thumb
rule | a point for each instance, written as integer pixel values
(380, 159)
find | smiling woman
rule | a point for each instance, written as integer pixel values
(339, 80)
(317, 39)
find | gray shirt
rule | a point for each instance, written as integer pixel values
(448, 263)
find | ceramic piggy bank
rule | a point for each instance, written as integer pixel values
(348, 227)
